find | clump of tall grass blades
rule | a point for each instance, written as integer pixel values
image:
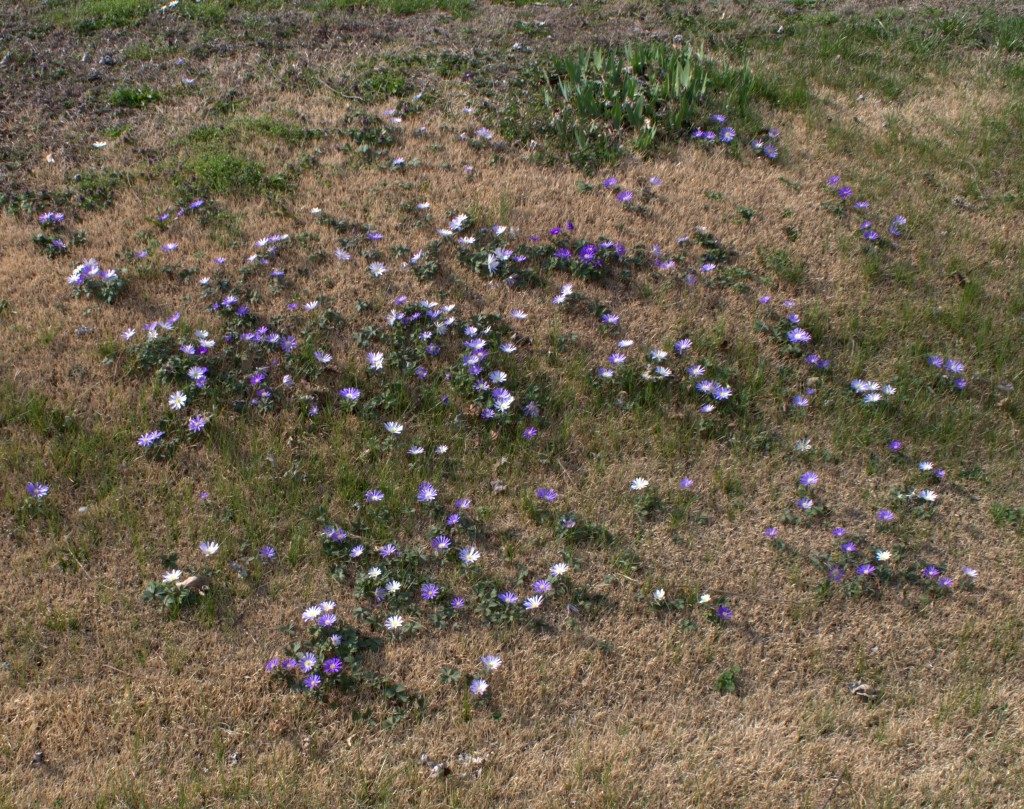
(600, 102)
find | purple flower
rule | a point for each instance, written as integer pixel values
(546, 494)
(429, 591)
(508, 598)
(625, 197)
(426, 493)
(373, 496)
(686, 484)
(798, 336)
(333, 665)
(37, 490)
(866, 569)
(350, 394)
(809, 479)
(312, 681)
(388, 550)
(441, 542)
(478, 687)
(457, 603)
(723, 613)
(197, 423)
(150, 438)
(885, 515)
(268, 552)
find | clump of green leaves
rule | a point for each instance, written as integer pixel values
(89, 280)
(176, 590)
(727, 682)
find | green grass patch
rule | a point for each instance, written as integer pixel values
(245, 129)
(89, 16)
(134, 97)
(221, 171)
(459, 8)
(213, 160)
(95, 190)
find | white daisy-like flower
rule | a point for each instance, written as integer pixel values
(394, 622)
(558, 569)
(491, 662)
(883, 556)
(658, 595)
(639, 484)
(208, 548)
(172, 576)
(177, 400)
(533, 602)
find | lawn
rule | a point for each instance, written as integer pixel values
(471, 404)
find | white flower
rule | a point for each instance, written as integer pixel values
(208, 548)
(377, 269)
(928, 495)
(658, 595)
(177, 400)
(393, 586)
(172, 576)
(373, 573)
(312, 613)
(704, 599)
(883, 556)
(394, 427)
(491, 662)
(558, 569)
(533, 602)
(394, 622)
(639, 484)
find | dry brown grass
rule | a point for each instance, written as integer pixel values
(130, 709)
